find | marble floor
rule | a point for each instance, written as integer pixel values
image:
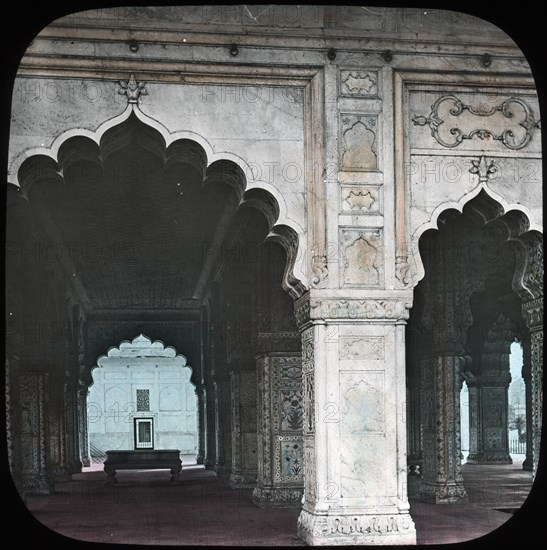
(145, 508)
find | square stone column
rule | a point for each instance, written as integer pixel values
(202, 423)
(32, 387)
(353, 365)
(442, 481)
(244, 429)
(83, 434)
(280, 480)
(210, 419)
(488, 413)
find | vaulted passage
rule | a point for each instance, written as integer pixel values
(472, 304)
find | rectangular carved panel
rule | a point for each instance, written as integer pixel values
(362, 402)
(362, 257)
(361, 347)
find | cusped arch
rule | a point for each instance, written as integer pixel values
(141, 346)
(516, 219)
(48, 165)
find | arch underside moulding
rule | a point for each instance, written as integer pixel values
(225, 167)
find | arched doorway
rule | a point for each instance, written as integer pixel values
(142, 398)
(470, 306)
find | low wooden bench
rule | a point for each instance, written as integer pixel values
(143, 459)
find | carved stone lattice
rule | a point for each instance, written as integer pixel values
(513, 114)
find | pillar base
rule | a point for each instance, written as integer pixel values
(356, 529)
(86, 462)
(528, 464)
(243, 480)
(38, 485)
(200, 459)
(278, 497)
(490, 458)
(443, 493)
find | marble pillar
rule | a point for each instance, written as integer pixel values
(56, 429)
(353, 370)
(244, 429)
(533, 314)
(223, 443)
(414, 430)
(280, 481)
(73, 430)
(210, 418)
(442, 481)
(36, 477)
(202, 423)
(488, 429)
(527, 377)
(83, 435)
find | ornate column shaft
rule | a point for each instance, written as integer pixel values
(32, 423)
(202, 423)
(527, 376)
(73, 430)
(244, 429)
(56, 428)
(442, 481)
(83, 428)
(280, 418)
(488, 403)
(210, 450)
(353, 365)
(222, 426)
(414, 430)
(533, 314)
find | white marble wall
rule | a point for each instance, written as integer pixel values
(111, 402)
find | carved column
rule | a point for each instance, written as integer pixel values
(73, 430)
(442, 480)
(353, 369)
(244, 429)
(533, 314)
(414, 423)
(527, 376)
(211, 449)
(32, 422)
(202, 423)
(488, 405)
(13, 431)
(56, 428)
(83, 436)
(222, 426)
(280, 480)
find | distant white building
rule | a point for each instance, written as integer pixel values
(142, 397)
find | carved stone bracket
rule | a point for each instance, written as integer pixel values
(516, 135)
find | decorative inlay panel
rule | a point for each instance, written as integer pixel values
(289, 465)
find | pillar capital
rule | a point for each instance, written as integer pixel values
(346, 306)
